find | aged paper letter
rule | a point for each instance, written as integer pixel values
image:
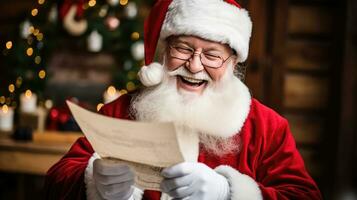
(145, 147)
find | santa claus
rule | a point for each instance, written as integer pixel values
(246, 149)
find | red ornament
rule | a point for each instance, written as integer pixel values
(64, 117)
(112, 22)
(54, 114)
(60, 117)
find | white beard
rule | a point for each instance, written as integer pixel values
(215, 115)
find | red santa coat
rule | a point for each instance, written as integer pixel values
(268, 165)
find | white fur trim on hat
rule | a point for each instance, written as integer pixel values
(152, 74)
(91, 190)
(242, 187)
(214, 20)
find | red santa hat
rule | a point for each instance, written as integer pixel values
(223, 21)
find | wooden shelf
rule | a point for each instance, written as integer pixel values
(37, 156)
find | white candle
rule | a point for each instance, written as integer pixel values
(28, 102)
(110, 94)
(6, 118)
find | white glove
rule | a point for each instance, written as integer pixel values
(194, 181)
(113, 180)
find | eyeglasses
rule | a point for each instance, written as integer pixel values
(207, 60)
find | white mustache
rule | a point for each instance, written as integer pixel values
(182, 71)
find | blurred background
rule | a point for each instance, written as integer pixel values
(302, 63)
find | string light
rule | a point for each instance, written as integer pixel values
(123, 92)
(92, 3)
(2, 99)
(123, 2)
(41, 2)
(103, 11)
(130, 86)
(29, 51)
(135, 36)
(99, 106)
(42, 74)
(11, 88)
(39, 37)
(8, 44)
(38, 59)
(34, 12)
(36, 32)
(31, 29)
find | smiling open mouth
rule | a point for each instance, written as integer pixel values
(192, 81)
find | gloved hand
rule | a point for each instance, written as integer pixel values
(194, 181)
(113, 180)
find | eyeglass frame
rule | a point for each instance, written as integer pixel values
(198, 54)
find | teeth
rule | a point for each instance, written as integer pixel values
(192, 80)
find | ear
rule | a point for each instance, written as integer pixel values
(235, 61)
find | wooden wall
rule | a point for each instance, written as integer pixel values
(295, 63)
(310, 74)
(345, 173)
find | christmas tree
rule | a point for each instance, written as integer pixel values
(114, 27)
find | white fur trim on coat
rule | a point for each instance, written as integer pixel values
(242, 187)
(213, 20)
(151, 75)
(91, 190)
(165, 196)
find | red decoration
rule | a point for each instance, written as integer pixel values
(60, 118)
(112, 22)
(54, 114)
(66, 5)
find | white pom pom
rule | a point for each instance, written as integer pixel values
(151, 75)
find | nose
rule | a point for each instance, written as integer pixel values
(194, 65)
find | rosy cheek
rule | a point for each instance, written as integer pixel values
(215, 74)
(172, 64)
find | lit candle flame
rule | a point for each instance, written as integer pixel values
(5, 109)
(28, 94)
(111, 90)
